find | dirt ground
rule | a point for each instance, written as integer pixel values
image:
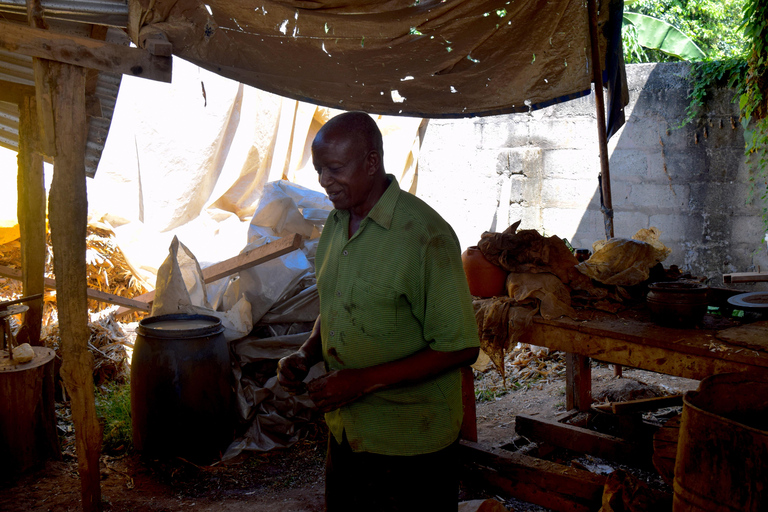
(292, 479)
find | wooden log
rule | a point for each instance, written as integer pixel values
(84, 51)
(27, 417)
(581, 440)
(578, 382)
(68, 219)
(90, 292)
(31, 215)
(248, 259)
(533, 480)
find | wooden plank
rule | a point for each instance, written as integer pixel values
(249, 259)
(745, 277)
(693, 354)
(578, 382)
(580, 440)
(68, 219)
(646, 404)
(91, 293)
(84, 51)
(252, 258)
(533, 480)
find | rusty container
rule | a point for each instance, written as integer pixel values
(723, 446)
(181, 387)
(485, 279)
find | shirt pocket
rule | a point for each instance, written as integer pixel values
(376, 311)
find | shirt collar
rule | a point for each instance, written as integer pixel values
(384, 209)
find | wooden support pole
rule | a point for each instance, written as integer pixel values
(31, 214)
(68, 209)
(578, 382)
(606, 199)
(602, 137)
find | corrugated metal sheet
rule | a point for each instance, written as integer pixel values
(112, 13)
(18, 68)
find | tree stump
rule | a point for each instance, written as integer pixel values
(27, 413)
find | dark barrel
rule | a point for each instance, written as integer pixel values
(181, 387)
(722, 447)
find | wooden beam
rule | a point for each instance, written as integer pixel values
(248, 259)
(646, 404)
(533, 480)
(68, 215)
(581, 440)
(252, 258)
(745, 277)
(31, 215)
(578, 382)
(13, 92)
(90, 292)
(84, 51)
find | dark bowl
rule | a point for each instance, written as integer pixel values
(677, 303)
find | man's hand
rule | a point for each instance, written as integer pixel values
(292, 370)
(336, 388)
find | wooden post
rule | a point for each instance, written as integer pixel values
(68, 219)
(606, 199)
(31, 214)
(597, 79)
(578, 382)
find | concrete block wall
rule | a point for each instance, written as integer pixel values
(691, 182)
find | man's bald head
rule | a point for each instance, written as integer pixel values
(357, 126)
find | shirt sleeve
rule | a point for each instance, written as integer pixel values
(449, 319)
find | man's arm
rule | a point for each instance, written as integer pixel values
(340, 387)
(293, 369)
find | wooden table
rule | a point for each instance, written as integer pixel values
(630, 339)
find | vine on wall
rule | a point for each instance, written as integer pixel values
(749, 78)
(753, 100)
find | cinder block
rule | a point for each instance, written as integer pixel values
(629, 165)
(657, 197)
(571, 163)
(561, 193)
(564, 134)
(507, 131)
(678, 227)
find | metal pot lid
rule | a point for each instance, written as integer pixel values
(751, 300)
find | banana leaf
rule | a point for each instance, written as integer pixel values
(660, 35)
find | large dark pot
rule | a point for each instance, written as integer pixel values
(181, 387)
(677, 303)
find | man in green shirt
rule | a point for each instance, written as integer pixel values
(396, 323)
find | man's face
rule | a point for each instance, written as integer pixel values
(342, 165)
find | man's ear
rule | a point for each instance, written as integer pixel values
(373, 162)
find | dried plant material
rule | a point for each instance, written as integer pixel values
(502, 323)
(552, 294)
(528, 251)
(622, 262)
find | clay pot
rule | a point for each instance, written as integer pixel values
(677, 303)
(485, 279)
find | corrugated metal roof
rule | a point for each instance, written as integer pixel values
(17, 68)
(112, 13)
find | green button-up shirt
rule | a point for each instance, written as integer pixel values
(395, 288)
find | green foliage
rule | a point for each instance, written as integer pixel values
(753, 101)
(113, 408)
(707, 75)
(657, 34)
(711, 24)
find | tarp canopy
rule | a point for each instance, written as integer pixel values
(426, 58)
